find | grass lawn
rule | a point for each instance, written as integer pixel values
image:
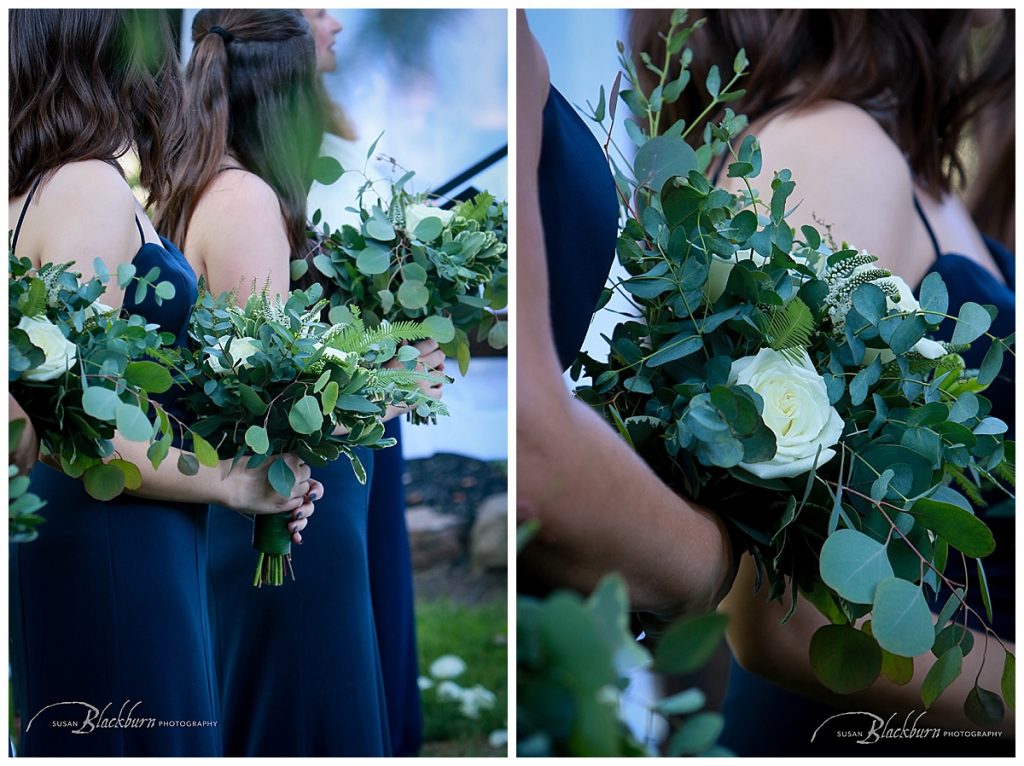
(478, 635)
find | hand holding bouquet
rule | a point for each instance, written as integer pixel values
(793, 387)
(270, 379)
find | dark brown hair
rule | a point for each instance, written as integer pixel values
(912, 70)
(90, 85)
(251, 89)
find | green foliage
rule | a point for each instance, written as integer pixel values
(104, 366)
(865, 520)
(409, 261)
(270, 378)
(574, 657)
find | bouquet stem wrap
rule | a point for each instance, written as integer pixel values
(272, 538)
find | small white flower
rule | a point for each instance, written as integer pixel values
(448, 666)
(424, 683)
(476, 699)
(240, 349)
(340, 357)
(449, 690)
(418, 212)
(98, 308)
(930, 349)
(59, 353)
(796, 409)
(498, 738)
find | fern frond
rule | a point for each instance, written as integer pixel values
(1007, 467)
(403, 378)
(968, 487)
(789, 329)
(359, 340)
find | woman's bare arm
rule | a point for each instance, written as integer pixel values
(600, 507)
(764, 646)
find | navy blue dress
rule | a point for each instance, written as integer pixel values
(391, 587)
(580, 220)
(108, 612)
(763, 719)
(298, 664)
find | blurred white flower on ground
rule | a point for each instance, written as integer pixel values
(447, 666)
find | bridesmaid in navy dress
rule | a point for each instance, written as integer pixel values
(600, 508)
(387, 538)
(890, 140)
(239, 206)
(109, 627)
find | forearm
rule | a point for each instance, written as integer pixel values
(780, 654)
(208, 486)
(601, 509)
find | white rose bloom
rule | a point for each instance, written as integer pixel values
(60, 353)
(796, 409)
(721, 268)
(418, 212)
(240, 349)
(448, 666)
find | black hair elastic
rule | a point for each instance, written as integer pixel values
(224, 34)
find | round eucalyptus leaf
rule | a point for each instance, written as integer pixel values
(305, 415)
(901, 621)
(662, 158)
(413, 295)
(257, 439)
(845, 659)
(104, 482)
(100, 402)
(281, 477)
(696, 734)
(428, 229)
(132, 423)
(440, 328)
(378, 227)
(972, 322)
(689, 643)
(414, 272)
(373, 260)
(853, 565)
(327, 170)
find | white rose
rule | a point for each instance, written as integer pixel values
(448, 666)
(796, 409)
(240, 349)
(721, 268)
(418, 212)
(60, 353)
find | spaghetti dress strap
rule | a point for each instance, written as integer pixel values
(24, 210)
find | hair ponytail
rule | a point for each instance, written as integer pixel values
(206, 123)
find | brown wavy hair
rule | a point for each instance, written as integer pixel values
(913, 70)
(91, 85)
(250, 89)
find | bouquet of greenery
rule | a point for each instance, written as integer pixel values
(82, 371)
(409, 260)
(574, 660)
(22, 505)
(791, 386)
(270, 379)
